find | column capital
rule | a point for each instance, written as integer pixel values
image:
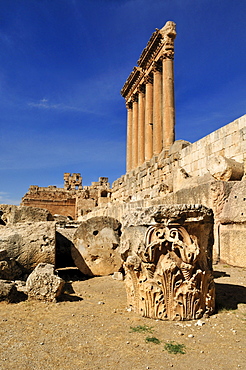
(148, 79)
(141, 89)
(134, 98)
(128, 105)
(156, 66)
(168, 51)
(169, 34)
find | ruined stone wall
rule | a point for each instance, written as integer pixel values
(184, 178)
(55, 200)
(186, 165)
(70, 201)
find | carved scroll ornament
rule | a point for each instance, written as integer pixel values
(164, 278)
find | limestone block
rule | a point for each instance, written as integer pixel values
(234, 210)
(222, 168)
(177, 146)
(95, 249)
(242, 122)
(43, 284)
(29, 243)
(232, 244)
(167, 252)
(14, 214)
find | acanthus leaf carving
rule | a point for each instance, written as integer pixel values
(165, 279)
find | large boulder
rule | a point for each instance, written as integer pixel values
(43, 284)
(29, 243)
(11, 214)
(95, 246)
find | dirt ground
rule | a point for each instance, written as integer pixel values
(90, 328)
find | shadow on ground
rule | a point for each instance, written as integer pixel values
(228, 296)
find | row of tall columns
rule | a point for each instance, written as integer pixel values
(151, 115)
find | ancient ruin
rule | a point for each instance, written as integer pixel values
(168, 262)
(180, 207)
(73, 201)
(149, 95)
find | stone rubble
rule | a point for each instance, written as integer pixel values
(43, 284)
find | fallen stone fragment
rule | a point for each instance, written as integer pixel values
(43, 284)
(11, 214)
(225, 169)
(95, 246)
(29, 243)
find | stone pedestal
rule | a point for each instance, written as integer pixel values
(167, 252)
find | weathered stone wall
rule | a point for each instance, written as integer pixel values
(73, 201)
(55, 200)
(184, 178)
(185, 166)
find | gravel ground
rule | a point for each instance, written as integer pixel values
(90, 328)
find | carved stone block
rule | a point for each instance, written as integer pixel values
(167, 253)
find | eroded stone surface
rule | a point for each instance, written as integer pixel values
(29, 243)
(96, 242)
(222, 168)
(168, 263)
(12, 214)
(43, 284)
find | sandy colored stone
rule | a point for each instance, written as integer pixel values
(234, 210)
(12, 214)
(167, 252)
(43, 284)
(95, 250)
(222, 168)
(29, 243)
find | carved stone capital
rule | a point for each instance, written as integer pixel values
(148, 79)
(168, 50)
(156, 66)
(167, 264)
(141, 89)
(134, 98)
(129, 105)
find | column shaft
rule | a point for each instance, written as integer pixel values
(141, 135)
(168, 103)
(129, 138)
(135, 133)
(157, 113)
(148, 121)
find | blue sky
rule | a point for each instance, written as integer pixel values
(63, 63)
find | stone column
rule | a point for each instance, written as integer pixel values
(148, 118)
(168, 88)
(141, 108)
(157, 111)
(135, 131)
(129, 137)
